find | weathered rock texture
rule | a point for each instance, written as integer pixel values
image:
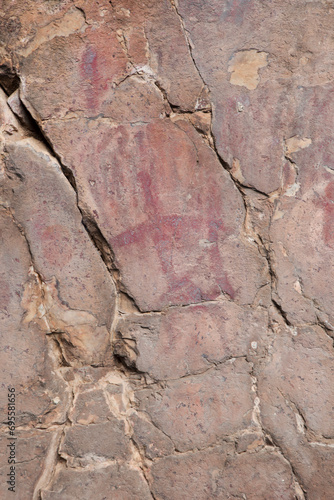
(167, 235)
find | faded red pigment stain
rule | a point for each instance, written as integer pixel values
(216, 230)
(179, 235)
(145, 180)
(174, 235)
(57, 245)
(90, 76)
(328, 207)
(235, 10)
(171, 236)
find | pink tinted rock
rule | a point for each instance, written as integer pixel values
(296, 395)
(304, 376)
(250, 441)
(26, 355)
(199, 411)
(157, 46)
(78, 292)
(45, 206)
(148, 437)
(192, 474)
(31, 452)
(108, 83)
(116, 482)
(215, 473)
(77, 72)
(135, 100)
(189, 339)
(257, 476)
(91, 58)
(90, 408)
(98, 442)
(305, 278)
(171, 57)
(168, 209)
(251, 123)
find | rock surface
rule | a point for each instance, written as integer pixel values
(166, 226)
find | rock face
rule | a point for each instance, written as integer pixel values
(166, 226)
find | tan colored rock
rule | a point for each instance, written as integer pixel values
(244, 68)
(90, 63)
(70, 22)
(294, 144)
(250, 441)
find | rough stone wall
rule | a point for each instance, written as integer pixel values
(167, 235)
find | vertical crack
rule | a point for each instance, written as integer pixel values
(187, 38)
(265, 252)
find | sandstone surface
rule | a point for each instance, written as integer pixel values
(166, 227)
